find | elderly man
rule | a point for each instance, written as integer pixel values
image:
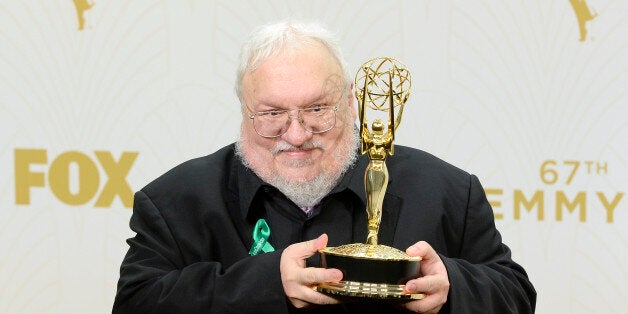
(296, 176)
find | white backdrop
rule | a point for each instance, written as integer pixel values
(509, 90)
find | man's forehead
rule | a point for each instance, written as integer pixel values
(325, 93)
(301, 89)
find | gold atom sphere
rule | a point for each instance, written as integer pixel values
(381, 77)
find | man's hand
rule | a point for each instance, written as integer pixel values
(298, 281)
(434, 282)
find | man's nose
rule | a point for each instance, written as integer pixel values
(294, 116)
(296, 134)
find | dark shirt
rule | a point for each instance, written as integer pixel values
(194, 230)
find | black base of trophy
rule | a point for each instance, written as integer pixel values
(377, 277)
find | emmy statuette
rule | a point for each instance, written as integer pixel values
(372, 270)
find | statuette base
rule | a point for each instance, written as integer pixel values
(370, 271)
(369, 290)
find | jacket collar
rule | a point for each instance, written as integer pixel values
(248, 185)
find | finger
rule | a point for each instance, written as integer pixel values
(316, 297)
(435, 288)
(303, 250)
(312, 275)
(422, 249)
(307, 297)
(431, 262)
(425, 284)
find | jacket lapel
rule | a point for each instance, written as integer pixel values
(390, 215)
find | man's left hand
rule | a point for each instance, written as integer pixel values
(433, 283)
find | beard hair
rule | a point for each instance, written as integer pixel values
(308, 193)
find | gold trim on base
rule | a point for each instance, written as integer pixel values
(378, 252)
(368, 290)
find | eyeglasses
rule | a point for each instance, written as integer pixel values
(274, 123)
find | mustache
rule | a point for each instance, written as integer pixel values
(283, 146)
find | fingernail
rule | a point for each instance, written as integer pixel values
(413, 250)
(321, 241)
(411, 287)
(337, 275)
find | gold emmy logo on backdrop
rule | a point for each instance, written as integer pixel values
(81, 7)
(372, 270)
(583, 14)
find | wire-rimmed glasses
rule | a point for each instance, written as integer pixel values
(274, 123)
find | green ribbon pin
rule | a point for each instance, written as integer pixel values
(261, 232)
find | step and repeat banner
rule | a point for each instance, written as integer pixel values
(99, 97)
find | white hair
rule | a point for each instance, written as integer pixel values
(269, 40)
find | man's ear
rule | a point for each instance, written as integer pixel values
(351, 103)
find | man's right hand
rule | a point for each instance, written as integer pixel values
(299, 281)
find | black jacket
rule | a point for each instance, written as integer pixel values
(194, 226)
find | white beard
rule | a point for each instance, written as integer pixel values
(308, 193)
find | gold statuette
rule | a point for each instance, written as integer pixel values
(370, 269)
